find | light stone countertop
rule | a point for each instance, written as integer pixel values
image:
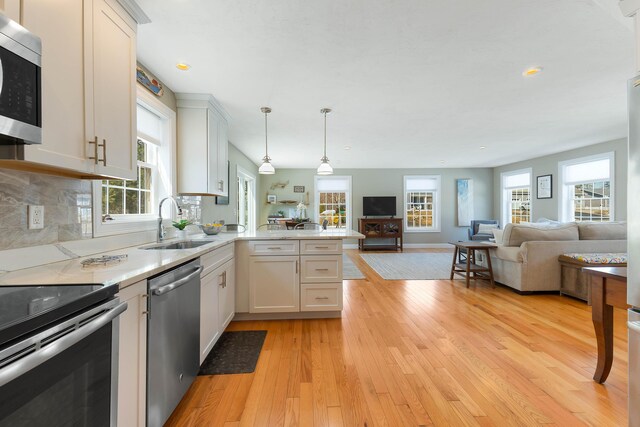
(141, 264)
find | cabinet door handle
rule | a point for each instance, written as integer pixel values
(322, 297)
(322, 269)
(104, 152)
(322, 247)
(296, 267)
(276, 248)
(95, 150)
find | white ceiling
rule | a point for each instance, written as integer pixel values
(412, 83)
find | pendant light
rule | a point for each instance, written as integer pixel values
(266, 168)
(325, 168)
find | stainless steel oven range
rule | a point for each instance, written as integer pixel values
(59, 355)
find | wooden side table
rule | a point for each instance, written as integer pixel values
(470, 267)
(608, 290)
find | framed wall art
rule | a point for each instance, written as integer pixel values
(544, 187)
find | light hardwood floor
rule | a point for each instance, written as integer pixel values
(408, 353)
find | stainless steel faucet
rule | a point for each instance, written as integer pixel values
(160, 227)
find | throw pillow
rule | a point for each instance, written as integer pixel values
(486, 228)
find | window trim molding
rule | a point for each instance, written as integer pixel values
(436, 215)
(563, 202)
(348, 199)
(505, 217)
(149, 221)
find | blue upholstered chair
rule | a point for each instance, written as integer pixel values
(475, 224)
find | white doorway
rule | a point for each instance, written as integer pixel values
(246, 198)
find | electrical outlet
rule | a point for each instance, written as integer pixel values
(36, 217)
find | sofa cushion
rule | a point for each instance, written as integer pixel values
(516, 234)
(603, 230)
(497, 235)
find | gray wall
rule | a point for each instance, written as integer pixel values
(212, 212)
(388, 182)
(548, 208)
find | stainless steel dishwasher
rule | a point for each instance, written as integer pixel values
(173, 339)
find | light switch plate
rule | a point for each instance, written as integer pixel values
(36, 217)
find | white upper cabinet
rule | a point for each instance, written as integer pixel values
(63, 103)
(88, 87)
(112, 74)
(202, 145)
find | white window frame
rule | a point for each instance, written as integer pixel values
(242, 173)
(565, 205)
(316, 198)
(165, 177)
(505, 202)
(436, 228)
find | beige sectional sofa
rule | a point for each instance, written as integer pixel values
(527, 255)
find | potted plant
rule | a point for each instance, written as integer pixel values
(181, 225)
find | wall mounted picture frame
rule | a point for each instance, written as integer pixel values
(224, 200)
(272, 199)
(464, 192)
(298, 188)
(544, 187)
(149, 82)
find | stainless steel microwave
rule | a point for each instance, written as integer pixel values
(20, 85)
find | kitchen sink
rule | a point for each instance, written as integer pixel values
(188, 244)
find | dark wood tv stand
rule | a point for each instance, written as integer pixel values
(375, 229)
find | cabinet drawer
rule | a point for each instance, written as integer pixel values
(214, 259)
(274, 247)
(321, 297)
(318, 247)
(321, 268)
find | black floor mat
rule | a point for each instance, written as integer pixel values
(234, 353)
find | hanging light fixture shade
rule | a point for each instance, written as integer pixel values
(325, 168)
(266, 168)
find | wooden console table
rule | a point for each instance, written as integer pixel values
(608, 290)
(380, 228)
(470, 267)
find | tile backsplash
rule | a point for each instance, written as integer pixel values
(67, 208)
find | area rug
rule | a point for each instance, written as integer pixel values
(349, 269)
(411, 266)
(235, 353)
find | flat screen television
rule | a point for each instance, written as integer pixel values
(379, 206)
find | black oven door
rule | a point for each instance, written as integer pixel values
(65, 375)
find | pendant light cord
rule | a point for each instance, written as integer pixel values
(325, 134)
(266, 143)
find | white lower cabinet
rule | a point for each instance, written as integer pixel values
(274, 284)
(132, 356)
(294, 275)
(209, 326)
(227, 295)
(321, 296)
(217, 296)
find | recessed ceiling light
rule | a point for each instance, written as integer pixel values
(182, 66)
(347, 147)
(442, 161)
(531, 71)
(482, 147)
